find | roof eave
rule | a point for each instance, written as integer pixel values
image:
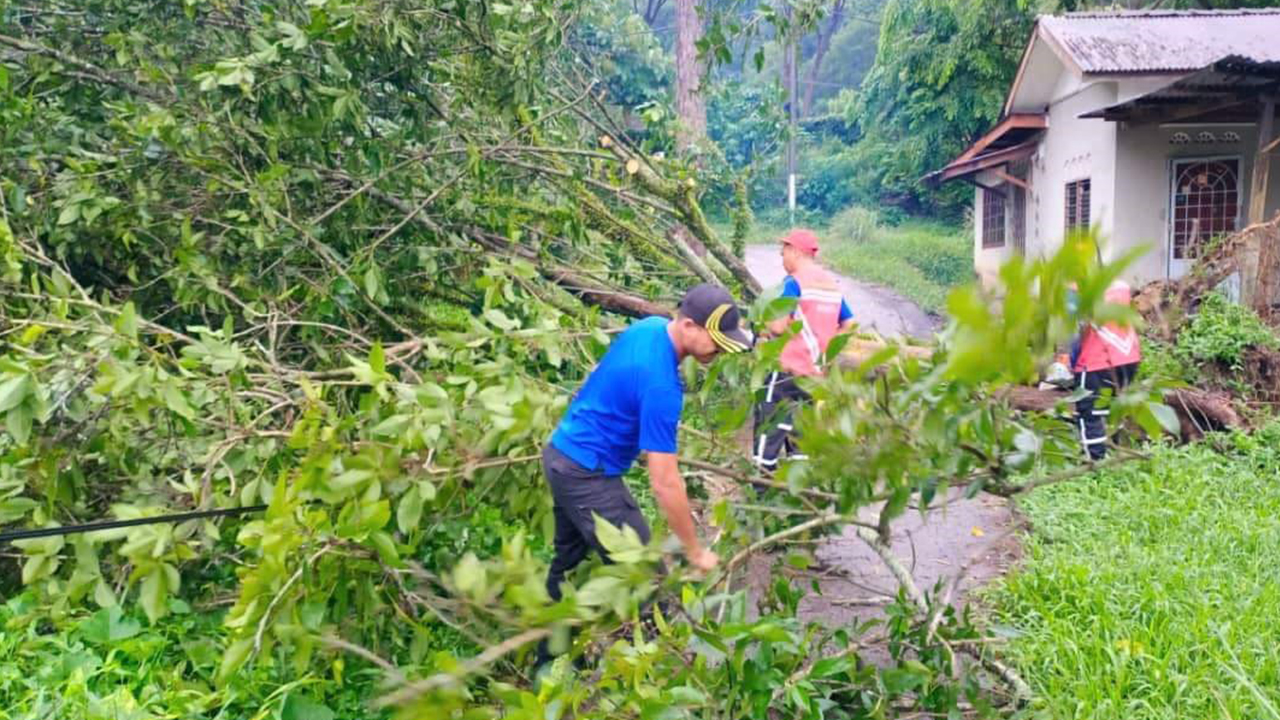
(972, 166)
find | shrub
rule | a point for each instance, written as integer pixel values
(854, 224)
(1221, 332)
(922, 261)
(1160, 362)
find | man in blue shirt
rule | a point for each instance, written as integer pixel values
(632, 402)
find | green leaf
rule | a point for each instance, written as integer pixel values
(378, 359)
(127, 323)
(297, 707)
(391, 427)
(1167, 416)
(14, 390)
(372, 281)
(70, 213)
(109, 625)
(409, 512)
(153, 594)
(237, 652)
(386, 547)
(685, 695)
(176, 401)
(19, 421)
(623, 544)
(468, 575)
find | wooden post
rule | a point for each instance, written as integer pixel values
(1257, 202)
(1262, 162)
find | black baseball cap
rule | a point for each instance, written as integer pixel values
(712, 307)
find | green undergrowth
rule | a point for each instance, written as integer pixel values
(113, 664)
(1150, 591)
(921, 260)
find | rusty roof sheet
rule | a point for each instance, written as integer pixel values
(1226, 90)
(1164, 41)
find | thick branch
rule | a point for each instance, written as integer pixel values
(89, 69)
(586, 289)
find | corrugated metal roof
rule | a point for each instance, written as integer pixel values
(1164, 41)
(1225, 91)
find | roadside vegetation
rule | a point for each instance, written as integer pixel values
(1148, 591)
(923, 260)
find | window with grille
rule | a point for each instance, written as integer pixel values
(1078, 205)
(1019, 219)
(1206, 203)
(992, 219)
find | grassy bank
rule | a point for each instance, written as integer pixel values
(921, 260)
(1151, 591)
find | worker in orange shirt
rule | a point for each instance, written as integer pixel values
(822, 312)
(1103, 358)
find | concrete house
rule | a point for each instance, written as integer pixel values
(1158, 128)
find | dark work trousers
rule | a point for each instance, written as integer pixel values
(1091, 421)
(577, 493)
(774, 431)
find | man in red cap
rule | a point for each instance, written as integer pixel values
(822, 312)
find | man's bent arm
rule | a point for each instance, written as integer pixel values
(669, 491)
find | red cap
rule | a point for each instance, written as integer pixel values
(802, 239)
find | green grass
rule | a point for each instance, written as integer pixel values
(1153, 590)
(920, 260)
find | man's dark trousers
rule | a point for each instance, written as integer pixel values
(578, 493)
(1091, 422)
(774, 431)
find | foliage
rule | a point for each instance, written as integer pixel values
(746, 122)
(942, 69)
(1145, 592)
(348, 259)
(622, 51)
(855, 225)
(1222, 332)
(1160, 362)
(852, 53)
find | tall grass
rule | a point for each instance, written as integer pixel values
(921, 260)
(1151, 591)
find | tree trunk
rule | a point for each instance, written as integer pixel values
(651, 10)
(689, 103)
(824, 44)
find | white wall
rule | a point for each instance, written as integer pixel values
(1072, 149)
(1144, 158)
(987, 261)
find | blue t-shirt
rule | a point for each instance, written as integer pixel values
(630, 402)
(791, 288)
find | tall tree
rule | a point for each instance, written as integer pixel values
(690, 106)
(648, 9)
(824, 42)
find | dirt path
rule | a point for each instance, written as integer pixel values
(934, 547)
(874, 307)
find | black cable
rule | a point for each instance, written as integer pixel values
(113, 524)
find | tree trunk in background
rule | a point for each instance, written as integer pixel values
(690, 108)
(651, 10)
(689, 103)
(824, 43)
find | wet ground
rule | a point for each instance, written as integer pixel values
(974, 534)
